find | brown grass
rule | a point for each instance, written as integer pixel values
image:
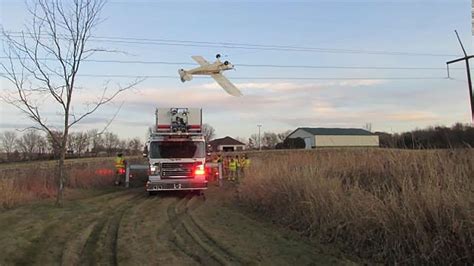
(394, 206)
(32, 181)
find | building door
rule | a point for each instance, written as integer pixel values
(307, 142)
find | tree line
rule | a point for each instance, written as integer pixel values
(33, 145)
(439, 137)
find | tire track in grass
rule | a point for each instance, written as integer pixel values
(200, 234)
(101, 245)
(57, 226)
(180, 239)
(76, 245)
(146, 236)
(73, 249)
(192, 239)
(135, 244)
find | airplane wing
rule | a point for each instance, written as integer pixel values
(226, 85)
(200, 60)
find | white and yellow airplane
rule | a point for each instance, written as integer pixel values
(214, 70)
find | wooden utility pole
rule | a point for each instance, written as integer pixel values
(469, 83)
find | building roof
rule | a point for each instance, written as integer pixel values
(225, 141)
(336, 131)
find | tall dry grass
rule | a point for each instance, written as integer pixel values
(391, 206)
(26, 182)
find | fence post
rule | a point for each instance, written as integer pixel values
(127, 176)
(220, 174)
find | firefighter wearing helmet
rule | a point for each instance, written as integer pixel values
(119, 168)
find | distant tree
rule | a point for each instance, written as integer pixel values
(254, 140)
(111, 143)
(440, 137)
(8, 140)
(293, 143)
(29, 144)
(385, 140)
(282, 136)
(122, 145)
(78, 142)
(269, 140)
(209, 132)
(135, 146)
(42, 147)
(96, 141)
(250, 144)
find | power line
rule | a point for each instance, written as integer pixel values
(247, 46)
(255, 65)
(258, 78)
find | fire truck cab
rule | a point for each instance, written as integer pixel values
(177, 151)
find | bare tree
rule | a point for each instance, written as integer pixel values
(111, 142)
(96, 141)
(208, 131)
(135, 146)
(122, 145)
(42, 146)
(253, 141)
(269, 140)
(78, 142)
(250, 144)
(29, 144)
(282, 136)
(8, 140)
(43, 66)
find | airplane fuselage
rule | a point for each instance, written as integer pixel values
(214, 68)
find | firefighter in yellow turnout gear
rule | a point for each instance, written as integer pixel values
(119, 168)
(233, 169)
(245, 163)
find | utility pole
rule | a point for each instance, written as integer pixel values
(259, 139)
(469, 83)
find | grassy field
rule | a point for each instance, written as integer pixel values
(126, 227)
(379, 205)
(396, 206)
(30, 181)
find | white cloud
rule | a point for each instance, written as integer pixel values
(413, 116)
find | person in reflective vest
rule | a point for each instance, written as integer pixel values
(233, 169)
(119, 168)
(245, 164)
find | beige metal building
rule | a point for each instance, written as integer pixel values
(335, 137)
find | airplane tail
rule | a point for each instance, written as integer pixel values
(184, 75)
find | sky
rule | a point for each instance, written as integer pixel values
(415, 33)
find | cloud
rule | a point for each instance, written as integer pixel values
(413, 116)
(294, 86)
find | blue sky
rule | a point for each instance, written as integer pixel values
(390, 105)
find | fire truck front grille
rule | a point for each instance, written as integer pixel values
(177, 170)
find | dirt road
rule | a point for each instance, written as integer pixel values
(128, 227)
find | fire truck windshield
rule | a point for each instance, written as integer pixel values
(177, 149)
